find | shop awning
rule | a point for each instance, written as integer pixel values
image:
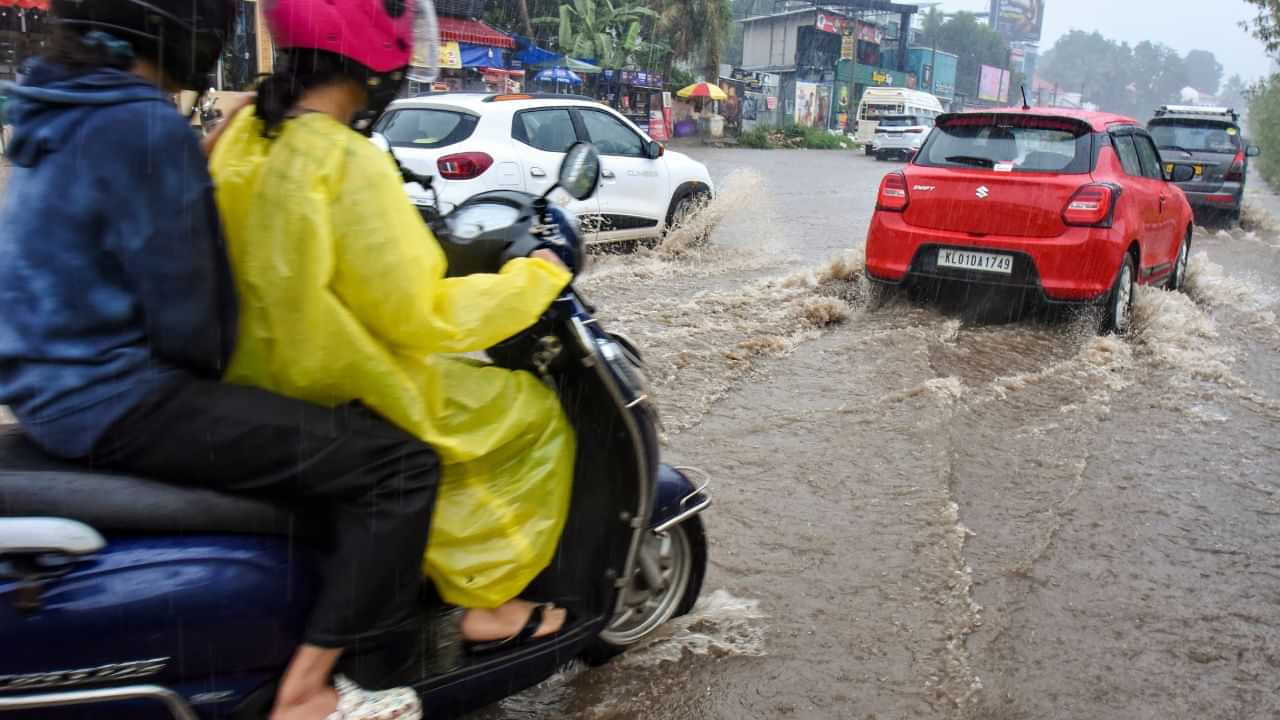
(475, 32)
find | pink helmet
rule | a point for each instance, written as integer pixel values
(378, 34)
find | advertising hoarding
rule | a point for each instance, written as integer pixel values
(1018, 20)
(993, 84)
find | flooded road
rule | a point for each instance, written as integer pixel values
(918, 516)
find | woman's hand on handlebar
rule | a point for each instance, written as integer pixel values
(549, 256)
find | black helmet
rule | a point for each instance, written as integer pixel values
(183, 37)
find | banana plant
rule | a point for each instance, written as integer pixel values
(602, 30)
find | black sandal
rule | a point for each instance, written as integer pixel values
(526, 633)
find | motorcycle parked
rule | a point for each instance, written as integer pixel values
(122, 597)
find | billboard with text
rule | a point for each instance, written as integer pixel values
(1018, 20)
(993, 84)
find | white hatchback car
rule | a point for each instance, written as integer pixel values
(473, 143)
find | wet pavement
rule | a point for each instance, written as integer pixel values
(921, 516)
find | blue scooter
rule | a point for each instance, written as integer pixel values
(122, 597)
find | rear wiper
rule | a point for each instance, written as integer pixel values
(1176, 147)
(971, 160)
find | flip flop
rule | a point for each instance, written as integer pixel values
(525, 635)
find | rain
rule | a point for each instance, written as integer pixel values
(951, 500)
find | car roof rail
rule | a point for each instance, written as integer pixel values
(501, 97)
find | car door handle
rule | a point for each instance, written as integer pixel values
(1163, 199)
(607, 174)
(537, 172)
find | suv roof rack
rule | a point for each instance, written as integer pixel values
(500, 97)
(1166, 110)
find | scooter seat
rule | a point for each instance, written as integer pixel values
(35, 484)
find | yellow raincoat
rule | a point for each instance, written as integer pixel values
(344, 297)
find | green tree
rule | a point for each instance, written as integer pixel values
(1266, 26)
(604, 31)
(696, 31)
(1100, 69)
(1264, 126)
(1234, 92)
(1204, 72)
(1159, 75)
(973, 43)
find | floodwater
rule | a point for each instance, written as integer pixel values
(922, 516)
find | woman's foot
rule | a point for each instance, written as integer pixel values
(348, 701)
(507, 620)
(318, 706)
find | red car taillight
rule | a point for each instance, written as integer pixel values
(893, 193)
(464, 166)
(1236, 173)
(1090, 206)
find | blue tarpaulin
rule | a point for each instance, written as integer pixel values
(480, 56)
(530, 55)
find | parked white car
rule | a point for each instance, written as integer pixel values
(473, 143)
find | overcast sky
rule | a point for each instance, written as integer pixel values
(1182, 24)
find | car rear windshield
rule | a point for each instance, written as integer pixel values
(1009, 143)
(426, 127)
(900, 121)
(1196, 135)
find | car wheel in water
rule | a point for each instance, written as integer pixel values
(1119, 310)
(686, 208)
(1178, 278)
(679, 559)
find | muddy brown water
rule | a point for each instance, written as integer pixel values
(920, 516)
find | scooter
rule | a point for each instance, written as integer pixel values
(122, 597)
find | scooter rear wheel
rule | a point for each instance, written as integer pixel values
(680, 556)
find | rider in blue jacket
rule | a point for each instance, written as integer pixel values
(118, 317)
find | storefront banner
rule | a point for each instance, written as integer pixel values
(827, 22)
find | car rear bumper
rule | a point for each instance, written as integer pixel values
(1076, 267)
(892, 144)
(1228, 197)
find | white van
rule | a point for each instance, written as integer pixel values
(880, 102)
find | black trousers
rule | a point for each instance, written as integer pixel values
(378, 481)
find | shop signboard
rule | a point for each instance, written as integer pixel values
(868, 32)
(848, 44)
(827, 22)
(448, 57)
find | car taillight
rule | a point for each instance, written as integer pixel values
(893, 193)
(1090, 206)
(464, 166)
(1236, 173)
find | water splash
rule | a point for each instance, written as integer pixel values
(720, 625)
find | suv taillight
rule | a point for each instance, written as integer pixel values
(1236, 172)
(893, 193)
(464, 166)
(1091, 206)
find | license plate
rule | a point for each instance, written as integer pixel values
(1200, 169)
(969, 260)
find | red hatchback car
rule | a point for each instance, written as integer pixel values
(1073, 206)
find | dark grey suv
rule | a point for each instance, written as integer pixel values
(1210, 142)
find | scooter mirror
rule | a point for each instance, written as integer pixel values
(381, 141)
(580, 171)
